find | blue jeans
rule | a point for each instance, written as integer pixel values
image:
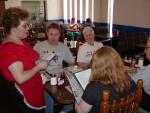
(49, 103)
(67, 108)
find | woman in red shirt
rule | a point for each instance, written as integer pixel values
(17, 63)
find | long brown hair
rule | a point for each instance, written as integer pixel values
(108, 68)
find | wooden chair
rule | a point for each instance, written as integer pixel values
(129, 104)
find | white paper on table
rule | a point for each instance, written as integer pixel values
(83, 77)
(48, 56)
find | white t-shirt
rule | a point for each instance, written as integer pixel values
(86, 51)
(143, 74)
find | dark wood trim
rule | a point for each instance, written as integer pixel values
(2, 9)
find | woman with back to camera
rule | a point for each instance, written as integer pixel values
(107, 73)
(17, 63)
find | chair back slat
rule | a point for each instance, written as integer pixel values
(128, 104)
(104, 107)
(114, 106)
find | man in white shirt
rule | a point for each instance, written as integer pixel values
(144, 74)
(86, 51)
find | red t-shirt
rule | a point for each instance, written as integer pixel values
(33, 89)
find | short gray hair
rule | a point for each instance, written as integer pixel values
(88, 29)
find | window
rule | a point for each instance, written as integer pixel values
(110, 16)
(79, 9)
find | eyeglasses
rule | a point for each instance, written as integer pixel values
(25, 25)
(147, 47)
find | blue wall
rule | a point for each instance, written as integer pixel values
(124, 29)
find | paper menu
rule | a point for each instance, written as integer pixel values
(48, 56)
(78, 80)
(76, 88)
(74, 68)
(83, 77)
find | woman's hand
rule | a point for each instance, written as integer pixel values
(130, 69)
(42, 65)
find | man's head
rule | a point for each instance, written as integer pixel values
(53, 33)
(89, 35)
(73, 20)
(147, 49)
(88, 20)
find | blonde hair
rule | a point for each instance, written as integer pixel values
(108, 68)
(88, 29)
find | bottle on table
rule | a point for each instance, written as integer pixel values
(66, 42)
(61, 81)
(140, 61)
